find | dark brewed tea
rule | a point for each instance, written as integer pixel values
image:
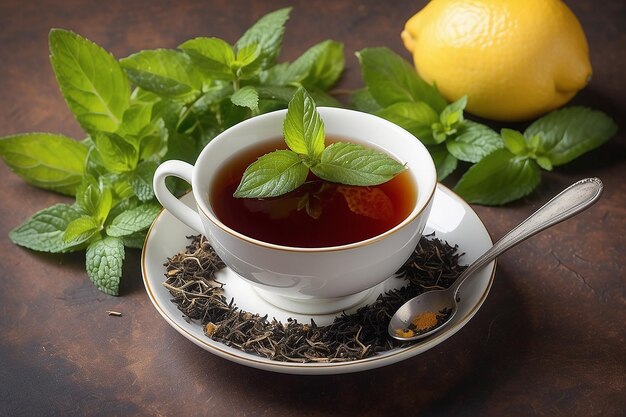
(317, 214)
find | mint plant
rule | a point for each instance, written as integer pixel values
(506, 166)
(553, 140)
(282, 171)
(139, 111)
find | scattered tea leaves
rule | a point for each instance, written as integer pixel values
(190, 278)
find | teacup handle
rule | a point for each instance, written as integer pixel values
(182, 212)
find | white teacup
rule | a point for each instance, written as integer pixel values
(306, 280)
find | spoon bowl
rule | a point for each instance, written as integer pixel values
(571, 201)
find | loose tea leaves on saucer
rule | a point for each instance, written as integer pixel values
(199, 296)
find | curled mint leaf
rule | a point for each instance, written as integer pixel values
(273, 174)
(353, 164)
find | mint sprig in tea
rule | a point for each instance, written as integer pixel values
(299, 192)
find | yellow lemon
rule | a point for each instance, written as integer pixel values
(515, 59)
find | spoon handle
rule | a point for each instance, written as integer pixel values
(574, 199)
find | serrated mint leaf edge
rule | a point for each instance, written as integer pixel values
(27, 236)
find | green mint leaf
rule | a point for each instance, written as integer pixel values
(363, 100)
(231, 114)
(94, 165)
(81, 230)
(165, 72)
(52, 162)
(499, 178)
(352, 164)
(328, 65)
(88, 195)
(122, 205)
(439, 133)
(121, 190)
(318, 67)
(544, 162)
(303, 127)
(445, 162)
(91, 80)
(182, 147)
(116, 154)
(246, 97)
(135, 220)
(95, 199)
(44, 230)
(141, 180)
(571, 132)
(153, 141)
(136, 240)
(248, 54)
(167, 110)
(473, 142)
(267, 32)
(278, 75)
(248, 62)
(452, 115)
(104, 264)
(391, 79)
(416, 117)
(283, 94)
(212, 56)
(273, 174)
(200, 115)
(135, 119)
(535, 144)
(514, 141)
(323, 99)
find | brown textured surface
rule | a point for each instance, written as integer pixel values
(549, 340)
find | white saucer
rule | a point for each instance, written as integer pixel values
(451, 219)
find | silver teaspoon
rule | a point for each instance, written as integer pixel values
(571, 201)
